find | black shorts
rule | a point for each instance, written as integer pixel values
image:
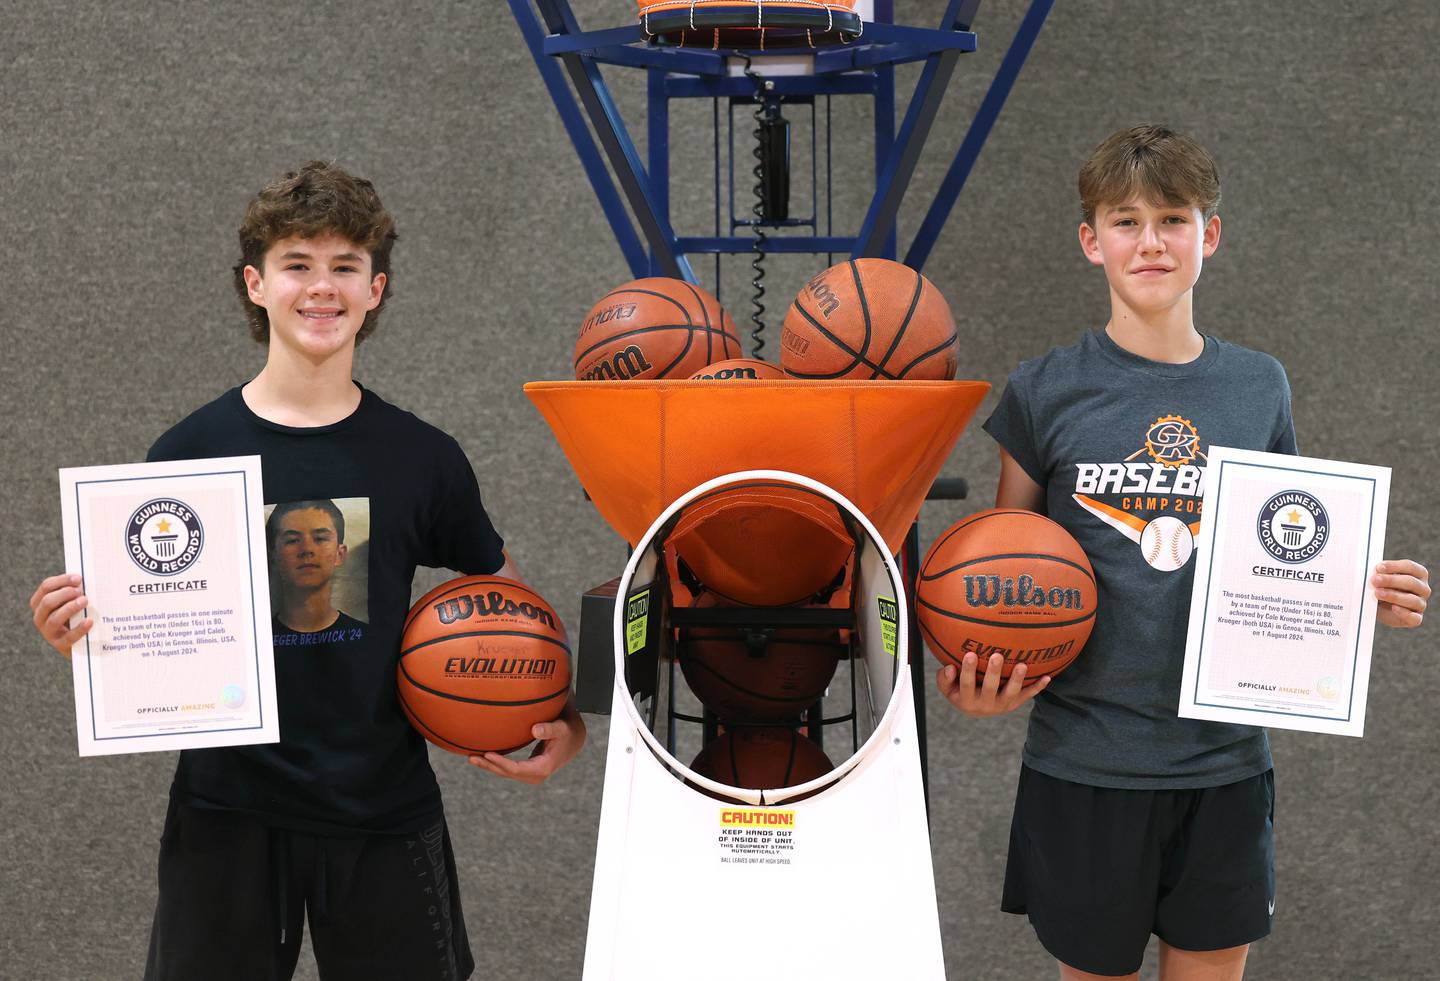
(234, 893)
(1098, 869)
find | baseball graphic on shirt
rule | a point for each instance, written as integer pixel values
(1167, 543)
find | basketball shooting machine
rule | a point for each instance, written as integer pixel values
(694, 475)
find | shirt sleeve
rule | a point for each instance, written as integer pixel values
(1284, 440)
(164, 448)
(461, 536)
(1010, 425)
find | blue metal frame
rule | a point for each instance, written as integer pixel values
(579, 132)
(897, 166)
(980, 126)
(863, 67)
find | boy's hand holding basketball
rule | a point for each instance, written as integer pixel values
(55, 601)
(1403, 589)
(560, 741)
(988, 697)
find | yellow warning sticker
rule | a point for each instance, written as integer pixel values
(637, 620)
(889, 625)
(756, 836)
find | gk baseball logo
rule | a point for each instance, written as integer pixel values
(1153, 497)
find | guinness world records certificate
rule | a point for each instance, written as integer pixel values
(1282, 616)
(172, 558)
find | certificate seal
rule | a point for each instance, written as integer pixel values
(164, 537)
(1293, 526)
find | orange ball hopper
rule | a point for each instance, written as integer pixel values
(638, 445)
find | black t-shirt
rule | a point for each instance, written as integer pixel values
(397, 493)
(344, 628)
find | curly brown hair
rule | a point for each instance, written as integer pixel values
(1163, 165)
(318, 199)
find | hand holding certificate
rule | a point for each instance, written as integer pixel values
(1282, 616)
(172, 556)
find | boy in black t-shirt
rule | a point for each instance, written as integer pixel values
(341, 819)
(1128, 819)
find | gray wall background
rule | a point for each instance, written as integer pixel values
(131, 136)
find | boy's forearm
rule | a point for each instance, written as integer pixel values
(1016, 489)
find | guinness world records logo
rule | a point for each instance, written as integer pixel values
(1293, 526)
(164, 537)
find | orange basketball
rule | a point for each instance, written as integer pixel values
(739, 369)
(869, 318)
(654, 328)
(763, 758)
(767, 677)
(1010, 582)
(482, 660)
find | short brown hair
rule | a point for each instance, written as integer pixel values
(318, 199)
(1158, 163)
(272, 523)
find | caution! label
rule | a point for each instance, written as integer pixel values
(756, 836)
(889, 625)
(637, 620)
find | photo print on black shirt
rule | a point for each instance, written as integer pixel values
(319, 570)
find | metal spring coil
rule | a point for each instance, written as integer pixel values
(757, 246)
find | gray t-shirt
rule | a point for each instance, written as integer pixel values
(1118, 442)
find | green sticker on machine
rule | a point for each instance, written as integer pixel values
(637, 619)
(889, 625)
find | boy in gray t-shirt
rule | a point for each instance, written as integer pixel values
(1128, 819)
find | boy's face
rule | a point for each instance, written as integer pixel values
(1151, 254)
(316, 292)
(307, 549)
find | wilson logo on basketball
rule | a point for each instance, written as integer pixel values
(477, 669)
(501, 667)
(1021, 591)
(628, 363)
(978, 592)
(823, 295)
(869, 318)
(492, 604)
(656, 327)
